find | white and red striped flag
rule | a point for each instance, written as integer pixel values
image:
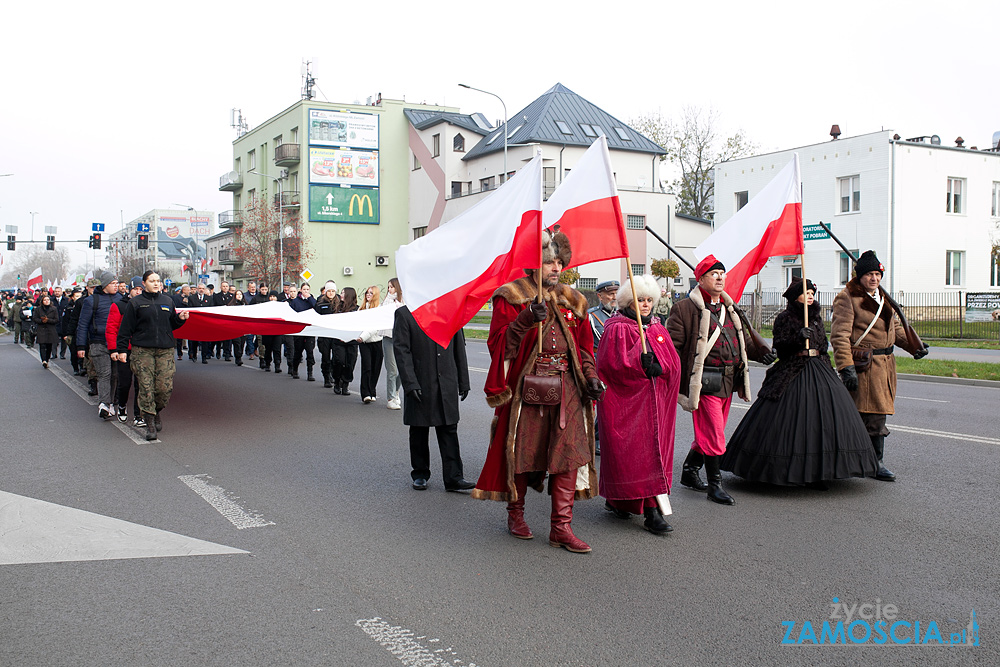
(587, 210)
(769, 225)
(449, 274)
(35, 279)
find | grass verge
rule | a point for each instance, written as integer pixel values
(972, 370)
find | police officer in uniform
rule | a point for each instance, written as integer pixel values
(607, 292)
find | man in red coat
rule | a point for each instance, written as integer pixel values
(532, 436)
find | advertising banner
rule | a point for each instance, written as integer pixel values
(200, 226)
(337, 204)
(337, 166)
(340, 128)
(981, 306)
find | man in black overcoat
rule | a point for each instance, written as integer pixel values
(434, 379)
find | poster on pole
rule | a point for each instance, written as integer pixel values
(982, 306)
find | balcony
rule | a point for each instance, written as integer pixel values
(229, 256)
(231, 219)
(286, 155)
(287, 200)
(230, 181)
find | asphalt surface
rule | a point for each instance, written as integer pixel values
(350, 566)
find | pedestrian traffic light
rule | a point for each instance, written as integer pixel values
(96, 241)
(50, 242)
(143, 241)
(11, 241)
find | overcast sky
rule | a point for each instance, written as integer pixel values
(111, 109)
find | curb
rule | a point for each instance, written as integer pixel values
(993, 384)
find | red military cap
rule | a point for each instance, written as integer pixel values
(710, 263)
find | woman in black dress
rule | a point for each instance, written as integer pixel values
(804, 428)
(46, 318)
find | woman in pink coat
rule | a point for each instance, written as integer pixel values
(637, 415)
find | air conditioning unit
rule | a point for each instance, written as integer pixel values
(283, 173)
(381, 260)
(348, 270)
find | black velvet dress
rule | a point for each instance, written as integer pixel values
(804, 427)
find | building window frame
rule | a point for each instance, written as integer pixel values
(458, 143)
(416, 162)
(742, 198)
(487, 184)
(846, 264)
(956, 196)
(995, 268)
(636, 222)
(954, 274)
(419, 232)
(849, 194)
(252, 159)
(638, 269)
(436, 145)
(589, 284)
(995, 211)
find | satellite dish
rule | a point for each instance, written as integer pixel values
(233, 177)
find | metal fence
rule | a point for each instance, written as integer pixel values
(932, 314)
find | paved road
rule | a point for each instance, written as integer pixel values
(344, 564)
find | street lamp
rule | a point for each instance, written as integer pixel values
(504, 124)
(156, 245)
(33, 214)
(281, 226)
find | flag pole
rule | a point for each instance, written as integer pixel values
(541, 253)
(635, 304)
(805, 297)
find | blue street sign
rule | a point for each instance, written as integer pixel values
(97, 227)
(143, 226)
(168, 282)
(203, 276)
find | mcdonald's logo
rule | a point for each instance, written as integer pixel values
(361, 205)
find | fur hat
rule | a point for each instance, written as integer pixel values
(867, 263)
(555, 245)
(794, 290)
(710, 263)
(644, 286)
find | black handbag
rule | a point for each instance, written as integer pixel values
(711, 381)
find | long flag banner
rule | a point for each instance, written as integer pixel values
(35, 279)
(449, 274)
(769, 225)
(587, 210)
(277, 318)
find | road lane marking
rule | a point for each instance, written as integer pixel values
(36, 531)
(403, 644)
(224, 502)
(929, 400)
(982, 439)
(479, 370)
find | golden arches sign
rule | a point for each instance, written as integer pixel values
(362, 200)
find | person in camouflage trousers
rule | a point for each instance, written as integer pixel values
(154, 369)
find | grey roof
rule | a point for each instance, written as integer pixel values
(421, 120)
(537, 122)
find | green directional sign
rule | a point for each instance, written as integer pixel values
(814, 233)
(329, 203)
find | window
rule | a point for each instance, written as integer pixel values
(418, 232)
(252, 198)
(588, 130)
(741, 199)
(293, 181)
(487, 183)
(504, 179)
(845, 266)
(955, 188)
(850, 194)
(237, 165)
(252, 159)
(416, 162)
(277, 141)
(563, 127)
(458, 144)
(436, 145)
(460, 188)
(495, 136)
(792, 272)
(514, 131)
(635, 222)
(294, 135)
(549, 181)
(995, 269)
(954, 267)
(622, 134)
(638, 269)
(587, 284)
(996, 200)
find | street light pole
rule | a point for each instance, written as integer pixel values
(33, 214)
(504, 124)
(156, 244)
(281, 227)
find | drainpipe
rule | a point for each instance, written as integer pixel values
(652, 179)
(561, 163)
(892, 222)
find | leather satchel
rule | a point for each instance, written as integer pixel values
(862, 358)
(711, 381)
(542, 389)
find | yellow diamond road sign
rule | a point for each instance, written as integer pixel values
(306, 275)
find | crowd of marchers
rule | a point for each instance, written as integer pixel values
(568, 383)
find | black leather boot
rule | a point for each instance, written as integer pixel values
(93, 388)
(150, 425)
(344, 384)
(883, 474)
(309, 374)
(327, 381)
(690, 476)
(714, 475)
(655, 523)
(293, 372)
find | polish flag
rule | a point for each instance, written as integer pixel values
(449, 274)
(587, 210)
(35, 279)
(769, 225)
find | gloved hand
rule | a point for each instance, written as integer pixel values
(650, 365)
(595, 389)
(849, 376)
(414, 395)
(768, 358)
(463, 394)
(539, 311)
(45, 320)
(806, 333)
(920, 354)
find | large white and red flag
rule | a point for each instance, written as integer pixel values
(277, 318)
(769, 225)
(587, 210)
(35, 279)
(449, 274)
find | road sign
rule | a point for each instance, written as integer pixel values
(203, 276)
(168, 282)
(306, 275)
(97, 227)
(142, 227)
(814, 232)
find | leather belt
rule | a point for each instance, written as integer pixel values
(811, 352)
(883, 350)
(727, 370)
(551, 364)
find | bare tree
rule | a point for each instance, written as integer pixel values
(257, 244)
(54, 264)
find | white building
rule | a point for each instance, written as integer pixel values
(176, 239)
(930, 212)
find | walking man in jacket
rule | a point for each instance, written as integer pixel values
(90, 333)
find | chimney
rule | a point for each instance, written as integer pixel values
(959, 141)
(835, 132)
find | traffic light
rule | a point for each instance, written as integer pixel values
(11, 241)
(96, 241)
(143, 241)
(50, 242)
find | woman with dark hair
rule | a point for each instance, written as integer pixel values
(327, 304)
(393, 300)
(345, 353)
(46, 318)
(803, 429)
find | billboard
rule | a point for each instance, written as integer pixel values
(337, 166)
(980, 306)
(200, 227)
(341, 128)
(338, 204)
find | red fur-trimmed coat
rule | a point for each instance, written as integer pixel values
(509, 365)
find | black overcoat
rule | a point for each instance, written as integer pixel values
(46, 333)
(440, 373)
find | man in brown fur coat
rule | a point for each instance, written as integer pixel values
(714, 348)
(864, 320)
(532, 436)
